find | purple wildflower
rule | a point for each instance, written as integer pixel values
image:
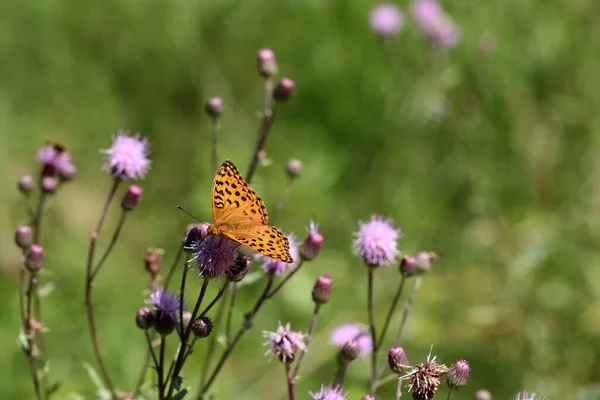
(54, 157)
(329, 392)
(376, 241)
(165, 303)
(284, 343)
(312, 244)
(386, 19)
(346, 332)
(213, 255)
(275, 267)
(434, 22)
(127, 157)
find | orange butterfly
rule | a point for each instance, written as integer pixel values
(240, 214)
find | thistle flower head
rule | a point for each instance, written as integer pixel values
(329, 392)
(275, 267)
(132, 197)
(127, 158)
(202, 327)
(386, 19)
(526, 396)
(284, 343)
(346, 332)
(376, 241)
(397, 359)
(34, 259)
(144, 318)
(435, 23)
(424, 379)
(310, 247)
(54, 157)
(166, 305)
(213, 255)
(458, 374)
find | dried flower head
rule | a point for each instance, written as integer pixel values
(376, 241)
(526, 396)
(386, 19)
(329, 392)
(166, 305)
(346, 332)
(275, 267)
(309, 249)
(153, 260)
(458, 374)
(213, 255)
(284, 343)
(424, 379)
(127, 158)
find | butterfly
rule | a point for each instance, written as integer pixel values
(240, 215)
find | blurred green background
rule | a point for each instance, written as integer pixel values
(486, 153)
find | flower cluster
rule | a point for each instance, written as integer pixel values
(285, 343)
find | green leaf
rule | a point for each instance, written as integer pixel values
(46, 290)
(177, 382)
(180, 395)
(94, 376)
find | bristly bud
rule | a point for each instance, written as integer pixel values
(164, 324)
(458, 374)
(367, 397)
(23, 236)
(34, 260)
(284, 89)
(348, 352)
(25, 184)
(239, 268)
(49, 184)
(194, 233)
(397, 359)
(67, 172)
(132, 197)
(144, 318)
(483, 394)
(214, 107)
(294, 168)
(408, 265)
(424, 260)
(321, 292)
(202, 327)
(267, 65)
(309, 249)
(153, 260)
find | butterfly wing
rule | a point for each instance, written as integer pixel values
(232, 196)
(267, 240)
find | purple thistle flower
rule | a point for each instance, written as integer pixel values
(127, 157)
(346, 332)
(284, 343)
(165, 303)
(435, 23)
(386, 19)
(526, 396)
(277, 268)
(376, 241)
(213, 255)
(329, 392)
(54, 157)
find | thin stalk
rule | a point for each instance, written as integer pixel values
(161, 368)
(341, 373)
(391, 311)
(111, 245)
(282, 200)
(284, 281)
(243, 328)
(151, 349)
(399, 389)
(30, 335)
(210, 352)
(268, 116)
(311, 330)
(290, 382)
(450, 394)
(142, 378)
(371, 312)
(217, 297)
(173, 267)
(216, 129)
(408, 308)
(230, 313)
(37, 221)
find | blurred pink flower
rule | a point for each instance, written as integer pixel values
(127, 157)
(346, 332)
(386, 19)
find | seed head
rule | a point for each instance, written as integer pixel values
(34, 260)
(132, 197)
(322, 290)
(144, 318)
(267, 65)
(397, 359)
(23, 236)
(202, 327)
(284, 89)
(153, 260)
(424, 380)
(25, 184)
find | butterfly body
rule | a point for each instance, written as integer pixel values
(240, 214)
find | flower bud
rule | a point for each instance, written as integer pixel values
(49, 184)
(267, 65)
(309, 249)
(164, 324)
(424, 260)
(397, 359)
(67, 172)
(153, 260)
(214, 107)
(132, 197)
(458, 374)
(144, 318)
(483, 394)
(348, 352)
(294, 168)
(321, 292)
(239, 269)
(284, 89)
(202, 327)
(367, 397)
(408, 265)
(23, 236)
(261, 155)
(34, 260)
(187, 317)
(25, 184)
(194, 233)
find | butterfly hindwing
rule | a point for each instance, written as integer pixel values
(265, 239)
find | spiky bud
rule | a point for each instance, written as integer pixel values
(67, 172)
(321, 292)
(408, 265)
(310, 247)
(294, 168)
(397, 359)
(153, 260)
(144, 318)
(194, 233)
(267, 65)
(132, 197)
(458, 374)
(49, 184)
(348, 352)
(34, 260)
(214, 107)
(25, 184)
(284, 89)
(23, 236)
(483, 394)
(239, 269)
(164, 323)
(202, 327)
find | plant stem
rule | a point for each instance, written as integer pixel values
(243, 328)
(210, 352)
(399, 389)
(311, 330)
(89, 280)
(111, 245)
(450, 394)
(161, 369)
(216, 129)
(173, 267)
(408, 308)
(282, 200)
(217, 297)
(284, 281)
(391, 311)
(290, 382)
(371, 312)
(268, 116)
(30, 335)
(230, 313)
(37, 221)
(142, 378)
(341, 373)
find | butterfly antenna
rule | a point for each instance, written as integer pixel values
(185, 211)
